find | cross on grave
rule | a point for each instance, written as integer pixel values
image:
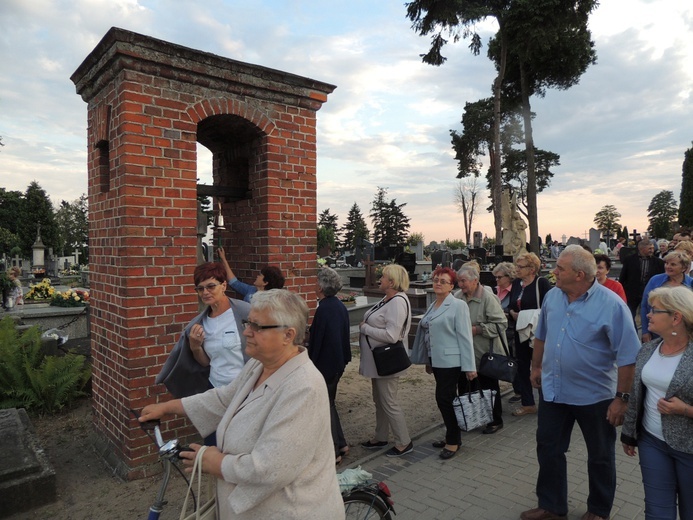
(635, 236)
(370, 275)
(76, 256)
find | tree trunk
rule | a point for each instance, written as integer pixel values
(496, 179)
(532, 215)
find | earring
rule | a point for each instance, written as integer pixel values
(674, 333)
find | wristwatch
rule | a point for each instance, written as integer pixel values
(623, 396)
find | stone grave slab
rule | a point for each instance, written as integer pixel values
(27, 479)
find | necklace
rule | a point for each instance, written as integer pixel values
(672, 354)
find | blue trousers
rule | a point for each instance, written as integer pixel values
(555, 423)
(666, 474)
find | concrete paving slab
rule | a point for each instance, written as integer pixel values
(493, 477)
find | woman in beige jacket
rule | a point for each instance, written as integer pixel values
(387, 322)
(275, 458)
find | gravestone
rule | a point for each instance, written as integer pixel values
(595, 239)
(27, 479)
(440, 257)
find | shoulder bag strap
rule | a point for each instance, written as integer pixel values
(538, 297)
(406, 320)
(504, 343)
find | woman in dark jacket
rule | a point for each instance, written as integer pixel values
(523, 296)
(329, 347)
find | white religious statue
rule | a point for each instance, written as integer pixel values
(514, 227)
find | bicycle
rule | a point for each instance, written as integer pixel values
(364, 499)
(367, 499)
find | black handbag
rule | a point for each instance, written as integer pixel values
(392, 358)
(498, 366)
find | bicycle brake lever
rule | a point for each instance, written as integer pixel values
(146, 425)
(183, 448)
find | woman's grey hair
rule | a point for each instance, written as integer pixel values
(505, 269)
(675, 299)
(469, 272)
(662, 242)
(285, 308)
(330, 281)
(581, 260)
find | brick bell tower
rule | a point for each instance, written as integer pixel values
(149, 103)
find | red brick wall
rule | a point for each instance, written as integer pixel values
(148, 97)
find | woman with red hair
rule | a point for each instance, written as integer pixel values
(444, 344)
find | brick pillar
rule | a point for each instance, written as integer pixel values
(149, 101)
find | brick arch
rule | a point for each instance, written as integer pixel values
(146, 101)
(226, 106)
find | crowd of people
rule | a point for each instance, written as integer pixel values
(263, 396)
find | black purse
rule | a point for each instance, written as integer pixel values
(392, 358)
(498, 366)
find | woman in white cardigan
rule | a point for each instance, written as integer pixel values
(275, 457)
(387, 322)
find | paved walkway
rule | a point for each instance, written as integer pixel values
(493, 477)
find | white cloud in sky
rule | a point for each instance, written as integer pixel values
(621, 133)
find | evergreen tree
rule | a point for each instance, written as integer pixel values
(329, 221)
(661, 213)
(686, 200)
(390, 224)
(355, 231)
(37, 211)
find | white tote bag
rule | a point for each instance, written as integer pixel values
(205, 510)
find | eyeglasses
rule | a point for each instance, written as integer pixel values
(521, 266)
(256, 327)
(659, 311)
(441, 281)
(210, 287)
(501, 276)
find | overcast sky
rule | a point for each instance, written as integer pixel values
(621, 133)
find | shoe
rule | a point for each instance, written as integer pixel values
(515, 399)
(492, 428)
(394, 452)
(446, 454)
(592, 516)
(438, 444)
(525, 410)
(540, 514)
(338, 460)
(373, 445)
(344, 451)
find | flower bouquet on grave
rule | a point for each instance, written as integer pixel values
(347, 298)
(70, 298)
(40, 291)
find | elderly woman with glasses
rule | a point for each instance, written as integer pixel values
(675, 273)
(523, 296)
(277, 459)
(488, 323)
(444, 344)
(659, 419)
(329, 346)
(505, 273)
(212, 345)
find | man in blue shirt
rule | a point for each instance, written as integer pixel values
(583, 363)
